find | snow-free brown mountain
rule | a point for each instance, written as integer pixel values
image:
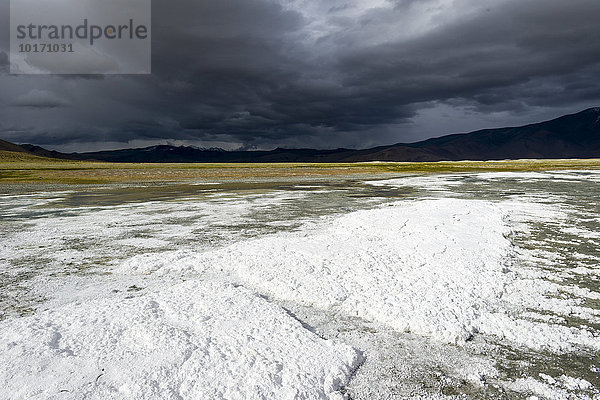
(8, 146)
(570, 136)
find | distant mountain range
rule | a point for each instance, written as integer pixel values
(570, 136)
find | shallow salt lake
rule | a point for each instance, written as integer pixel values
(479, 285)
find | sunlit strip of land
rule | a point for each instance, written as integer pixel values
(26, 168)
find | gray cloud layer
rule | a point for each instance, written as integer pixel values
(322, 74)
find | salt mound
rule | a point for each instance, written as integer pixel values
(429, 267)
(440, 268)
(195, 340)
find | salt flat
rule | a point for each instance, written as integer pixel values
(436, 286)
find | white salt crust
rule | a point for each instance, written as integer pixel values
(195, 340)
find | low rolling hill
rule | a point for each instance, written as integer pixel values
(571, 136)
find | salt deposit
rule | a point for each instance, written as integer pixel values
(192, 340)
(232, 295)
(440, 268)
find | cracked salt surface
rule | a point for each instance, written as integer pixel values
(440, 268)
(466, 289)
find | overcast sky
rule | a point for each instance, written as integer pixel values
(320, 73)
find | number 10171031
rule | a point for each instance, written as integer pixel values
(46, 48)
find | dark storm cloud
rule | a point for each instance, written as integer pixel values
(497, 50)
(300, 73)
(39, 99)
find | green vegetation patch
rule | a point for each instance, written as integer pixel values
(25, 168)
